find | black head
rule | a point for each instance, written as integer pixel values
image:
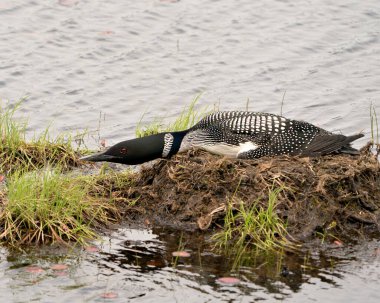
(135, 151)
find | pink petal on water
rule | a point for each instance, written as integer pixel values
(155, 263)
(181, 253)
(106, 33)
(109, 295)
(338, 243)
(60, 273)
(91, 248)
(59, 267)
(34, 269)
(2, 178)
(228, 280)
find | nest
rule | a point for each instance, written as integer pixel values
(338, 194)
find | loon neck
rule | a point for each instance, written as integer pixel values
(162, 145)
(172, 142)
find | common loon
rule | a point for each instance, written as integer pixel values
(237, 134)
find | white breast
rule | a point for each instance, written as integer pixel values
(247, 146)
(231, 151)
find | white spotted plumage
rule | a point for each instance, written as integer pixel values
(251, 135)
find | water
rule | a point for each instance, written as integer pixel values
(137, 266)
(84, 63)
(77, 58)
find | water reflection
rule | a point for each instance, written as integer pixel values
(138, 265)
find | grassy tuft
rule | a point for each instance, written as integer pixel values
(17, 154)
(12, 133)
(40, 202)
(252, 228)
(188, 117)
(47, 206)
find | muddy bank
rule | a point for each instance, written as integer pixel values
(335, 195)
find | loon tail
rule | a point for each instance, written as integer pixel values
(332, 143)
(347, 149)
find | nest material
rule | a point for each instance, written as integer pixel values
(338, 193)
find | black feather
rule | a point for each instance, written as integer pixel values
(330, 143)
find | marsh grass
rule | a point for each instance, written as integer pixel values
(41, 202)
(327, 233)
(374, 125)
(187, 118)
(18, 154)
(11, 131)
(250, 228)
(48, 206)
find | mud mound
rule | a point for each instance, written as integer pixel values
(337, 194)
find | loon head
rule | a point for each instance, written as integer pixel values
(140, 150)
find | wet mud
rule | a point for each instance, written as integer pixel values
(337, 195)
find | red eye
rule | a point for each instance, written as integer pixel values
(123, 151)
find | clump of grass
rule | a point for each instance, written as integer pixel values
(153, 128)
(188, 117)
(12, 133)
(48, 206)
(17, 154)
(250, 227)
(41, 203)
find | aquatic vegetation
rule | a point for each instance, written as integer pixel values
(181, 253)
(250, 228)
(228, 280)
(18, 154)
(48, 206)
(109, 295)
(39, 203)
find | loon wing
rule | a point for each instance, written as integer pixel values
(330, 143)
(218, 139)
(260, 134)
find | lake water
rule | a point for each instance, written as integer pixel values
(81, 64)
(137, 266)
